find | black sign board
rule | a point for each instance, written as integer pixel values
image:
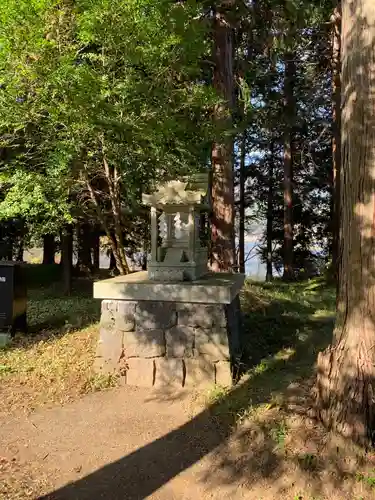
(13, 297)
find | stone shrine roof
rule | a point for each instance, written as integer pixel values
(188, 191)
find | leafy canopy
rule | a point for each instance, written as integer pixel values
(85, 80)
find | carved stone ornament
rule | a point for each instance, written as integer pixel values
(177, 224)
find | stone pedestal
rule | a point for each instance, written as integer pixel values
(183, 334)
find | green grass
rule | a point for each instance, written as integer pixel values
(279, 433)
(308, 461)
(49, 309)
(285, 326)
(368, 479)
(280, 315)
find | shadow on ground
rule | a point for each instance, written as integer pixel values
(246, 431)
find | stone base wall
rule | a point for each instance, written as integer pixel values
(151, 343)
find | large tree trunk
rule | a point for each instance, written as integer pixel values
(112, 261)
(241, 236)
(222, 191)
(49, 249)
(9, 249)
(67, 258)
(289, 107)
(84, 239)
(346, 370)
(269, 229)
(20, 250)
(95, 250)
(113, 178)
(336, 137)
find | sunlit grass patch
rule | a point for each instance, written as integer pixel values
(52, 364)
(52, 369)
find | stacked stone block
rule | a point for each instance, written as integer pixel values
(150, 343)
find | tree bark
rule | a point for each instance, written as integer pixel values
(112, 261)
(49, 249)
(114, 192)
(336, 137)
(113, 238)
(20, 250)
(67, 258)
(9, 249)
(289, 106)
(346, 370)
(84, 238)
(222, 189)
(269, 229)
(241, 253)
(95, 250)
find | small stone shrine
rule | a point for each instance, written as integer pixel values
(177, 324)
(182, 254)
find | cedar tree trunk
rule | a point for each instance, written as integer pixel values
(346, 370)
(49, 249)
(336, 137)
(241, 236)
(289, 107)
(222, 191)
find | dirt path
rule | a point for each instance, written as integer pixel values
(121, 444)
(130, 444)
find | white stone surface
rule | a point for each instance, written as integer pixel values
(169, 372)
(180, 256)
(215, 288)
(140, 372)
(179, 192)
(212, 345)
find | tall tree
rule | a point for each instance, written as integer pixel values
(269, 228)
(242, 203)
(49, 249)
(222, 190)
(95, 249)
(346, 370)
(336, 136)
(289, 106)
(67, 258)
(84, 242)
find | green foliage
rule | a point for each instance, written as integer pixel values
(279, 433)
(100, 382)
(86, 81)
(369, 480)
(49, 310)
